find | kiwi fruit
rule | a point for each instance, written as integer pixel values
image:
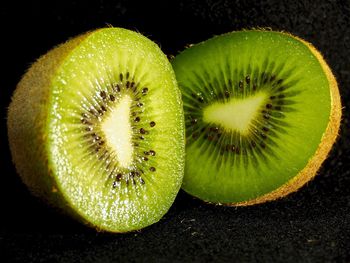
(262, 111)
(96, 128)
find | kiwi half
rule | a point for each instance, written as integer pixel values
(262, 111)
(96, 128)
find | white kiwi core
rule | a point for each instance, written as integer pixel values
(118, 131)
(236, 114)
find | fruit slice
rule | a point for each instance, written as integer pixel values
(262, 110)
(96, 127)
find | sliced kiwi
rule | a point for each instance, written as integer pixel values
(262, 110)
(96, 128)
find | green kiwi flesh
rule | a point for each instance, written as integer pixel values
(262, 110)
(96, 128)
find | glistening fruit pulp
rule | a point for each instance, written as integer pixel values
(257, 106)
(135, 184)
(112, 137)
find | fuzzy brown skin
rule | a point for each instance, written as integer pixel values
(28, 112)
(328, 139)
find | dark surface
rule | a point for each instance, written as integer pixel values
(312, 225)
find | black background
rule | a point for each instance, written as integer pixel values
(312, 225)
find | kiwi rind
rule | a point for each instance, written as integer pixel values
(26, 123)
(30, 141)
(324, 146)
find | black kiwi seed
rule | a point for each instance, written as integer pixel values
(194, 121)
(201, 99)
(273, 97)
(227, 94)
(137, 119)
(121, 77)
(127, 84)
(145, 152)
(151, 152)
(142, 131)
(118, 177)
(144, 158)
(152, 124)
(127, 75)
(85, 121)
(142, 181)
(139, 104)
(111, 97)
(117, 88)
(93, 112)
(103, 95)
(247, 79)
(103, 108)
(264, 77)
(152, 169)
(144, 90)
(240, 84)
(134, 88)
(269, 106)
(88, 128)
(142, 138)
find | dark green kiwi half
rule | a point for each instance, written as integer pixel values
(262, 110)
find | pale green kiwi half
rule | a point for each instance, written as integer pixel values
(96, 128)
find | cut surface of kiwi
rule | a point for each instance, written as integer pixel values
(262, 110)
(96, 128)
